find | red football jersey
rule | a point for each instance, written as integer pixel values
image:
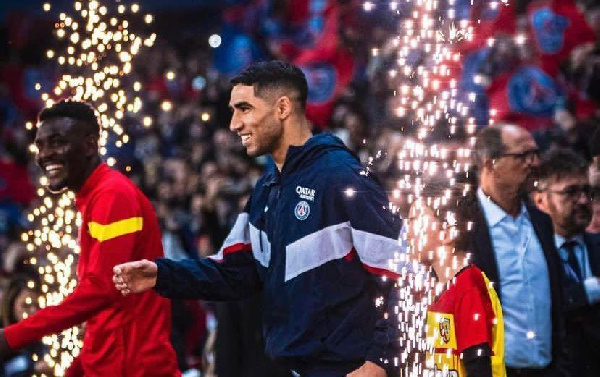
(125, 336)
(468, 313)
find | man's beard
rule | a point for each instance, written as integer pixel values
(55, 191)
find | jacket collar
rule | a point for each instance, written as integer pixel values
(303, 155)
(492, 211)
(90, 184)
(559, 240)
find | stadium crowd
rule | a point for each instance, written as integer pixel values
(198, 176)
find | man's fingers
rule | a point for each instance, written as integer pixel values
(117, 279)
(126, 272)
(125, 268)
(121, 286)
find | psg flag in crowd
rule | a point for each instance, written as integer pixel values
(305, 28)
(557, 27)
(327, 79)
(307, 35)
(237, 51)
(15, 185)
(472, 64)
(526, 96)
(328, 67)
(489, 18)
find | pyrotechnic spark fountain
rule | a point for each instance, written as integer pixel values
(96, 56)
(434, 157)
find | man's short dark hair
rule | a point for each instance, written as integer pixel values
(488, 144)
(81, 112)
(275, 74)
(558, 163)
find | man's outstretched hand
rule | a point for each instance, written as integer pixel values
(135, 277)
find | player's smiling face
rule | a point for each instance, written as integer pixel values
(255, 120)
(63, 153)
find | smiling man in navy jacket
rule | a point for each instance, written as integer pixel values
(316, 238)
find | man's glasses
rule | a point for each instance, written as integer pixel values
(574, 192)
(526, 156)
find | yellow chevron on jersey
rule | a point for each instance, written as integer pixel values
(105, 232)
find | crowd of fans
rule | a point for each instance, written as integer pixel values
(195, 170)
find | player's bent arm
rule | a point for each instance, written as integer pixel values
(233, 278)
(90, 297)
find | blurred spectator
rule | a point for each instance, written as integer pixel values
(20, 301)
(594, 173)
(506, 157)
(566, 195)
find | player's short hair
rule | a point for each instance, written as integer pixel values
(558, 163)
(488, 144)
(81, 112)
(274, 75)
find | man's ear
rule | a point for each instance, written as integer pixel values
(489, 163)
(91, 145)
(541, 201)
(449, 236)
(284, 107)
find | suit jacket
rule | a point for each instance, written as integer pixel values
(575, 297)
(583, 318)
(478, 241)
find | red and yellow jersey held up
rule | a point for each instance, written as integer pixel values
(468, 313)
(124, 336)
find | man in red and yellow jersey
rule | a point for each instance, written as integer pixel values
(465, 329)
(123, 337)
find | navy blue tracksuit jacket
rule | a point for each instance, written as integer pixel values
(317, 240)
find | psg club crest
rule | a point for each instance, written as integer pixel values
(533, 92)
(549, 30)
(302, 210)
(322, 81)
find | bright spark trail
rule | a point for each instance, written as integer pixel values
(97, 49)
(434, 159)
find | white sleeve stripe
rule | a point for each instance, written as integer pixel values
(378, 251)
(316, 249)
(239, 234)
(261, 249)
(335, 242)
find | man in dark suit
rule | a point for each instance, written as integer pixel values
(566, 195)
(594, 174)
(513, 244)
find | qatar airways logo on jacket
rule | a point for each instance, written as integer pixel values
(305, 193)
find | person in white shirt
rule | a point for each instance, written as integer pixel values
(512, 243)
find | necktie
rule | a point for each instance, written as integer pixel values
(572, 259)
